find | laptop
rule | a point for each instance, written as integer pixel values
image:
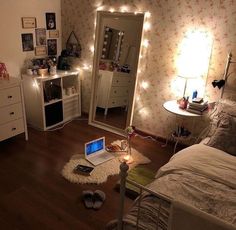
(95, 151)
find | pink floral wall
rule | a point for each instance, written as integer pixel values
(170, 19)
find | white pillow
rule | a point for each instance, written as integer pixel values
(224, 137)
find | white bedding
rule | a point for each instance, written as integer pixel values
(203, 177)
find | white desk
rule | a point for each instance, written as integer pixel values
(173, 107)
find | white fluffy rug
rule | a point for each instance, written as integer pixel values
(102, 171)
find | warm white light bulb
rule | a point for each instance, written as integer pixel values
(100, 8)
(124, 9)
(85, 66)
(144, 84)
(91, 49)
(148, 14)
(145, 43)
(146, 26)
(112, 10)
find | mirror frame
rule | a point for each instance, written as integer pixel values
(96, 59)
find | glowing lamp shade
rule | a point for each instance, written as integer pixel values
(194, 54)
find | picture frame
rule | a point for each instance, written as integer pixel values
(52, 46)
(50, 21)
(40, 50)
(40, 34)
(28, 22)
(27, 42)
(53, 33)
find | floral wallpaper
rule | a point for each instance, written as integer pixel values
(169, 21)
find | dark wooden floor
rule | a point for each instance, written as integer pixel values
(33, 194)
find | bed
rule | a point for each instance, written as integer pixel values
(196, 189)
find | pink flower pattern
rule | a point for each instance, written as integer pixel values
(170, 19)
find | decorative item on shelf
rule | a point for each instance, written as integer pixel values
(52, 66)
(42, 71)
(3, 72)
(130, 133)
(73, 46)
(63, 61)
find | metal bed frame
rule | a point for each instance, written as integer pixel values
(163, 199)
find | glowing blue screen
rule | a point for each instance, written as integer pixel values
(94, 146)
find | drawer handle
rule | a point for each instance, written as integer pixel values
(13, 129)
(9, 96)
(117, 81)
(115, 91)
(113, 102)
(12, 113)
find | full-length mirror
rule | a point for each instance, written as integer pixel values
(117, 46)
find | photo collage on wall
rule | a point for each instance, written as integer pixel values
(44, 45)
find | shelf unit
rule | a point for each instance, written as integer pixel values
(52, 100)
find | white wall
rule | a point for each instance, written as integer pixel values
(11, 29)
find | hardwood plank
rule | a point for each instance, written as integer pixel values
(34, 195)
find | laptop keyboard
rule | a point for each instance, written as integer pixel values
(101, 158)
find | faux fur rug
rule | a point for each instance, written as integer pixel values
(102, 171)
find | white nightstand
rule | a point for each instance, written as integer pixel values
(173, 107)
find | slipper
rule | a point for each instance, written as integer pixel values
(88, 198)
(98, 198)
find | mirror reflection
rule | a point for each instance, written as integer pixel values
(112, 42)
(118, 40)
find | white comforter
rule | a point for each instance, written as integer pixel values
(203, 177)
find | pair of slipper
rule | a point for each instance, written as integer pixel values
(94, 199)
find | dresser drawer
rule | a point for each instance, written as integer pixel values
(10, 96)
(119, 91)
(121, 81)
(10, 113)
(117, 101)
(11, 129)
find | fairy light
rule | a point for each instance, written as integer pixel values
(145, 43)
(112, 10)
(148, 14)
(35, 84)
(147, 26)
(100, 8)
(85, 66)
(91, 48)
(124, 9)
(144, 84)
(143, 112)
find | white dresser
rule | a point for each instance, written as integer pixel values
(113, 89)
(12, 110)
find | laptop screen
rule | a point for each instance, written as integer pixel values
(94, 146)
